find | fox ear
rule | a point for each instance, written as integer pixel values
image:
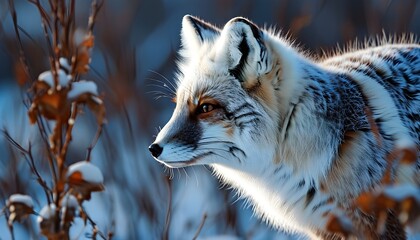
(195, 32)
(244, 50)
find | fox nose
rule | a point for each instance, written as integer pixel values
(155, 150)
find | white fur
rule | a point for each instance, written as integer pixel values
(380, 100)
(268, 139)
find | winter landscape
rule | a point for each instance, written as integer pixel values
(112, 64)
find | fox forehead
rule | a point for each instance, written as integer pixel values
(205, 80)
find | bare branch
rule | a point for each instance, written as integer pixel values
(94, 141)
(10, 226)
(27, 153)
(13, 142)
(43, 132)
(69, 130)
(95, 9)
(22, 56)
(45, 22)
(203, 220)
(94, 225)
(168, 211)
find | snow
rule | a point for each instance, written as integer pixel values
(97, 100)
(82, 87)
(79, 36)
(20, 198)
(70, 201)
(90, 172)
(401, 192)
(47, 212)
(64, 63)
(219, 237)
(47, 77)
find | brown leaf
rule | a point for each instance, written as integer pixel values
(50, 101)
(75, 178)
(53, 106)
(33, 113)
(88, 41)
(366, 202)
(409, 156)
(20, 73)
(403, 157)
(69, 206)
(81, 61)
(20, 206)
(85, 92)
(46, 220)
(84, 178)
(340, 224)
(98, 109)
(40, 86)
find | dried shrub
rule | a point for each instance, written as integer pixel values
(57, 97)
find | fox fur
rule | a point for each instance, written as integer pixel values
(290, 133)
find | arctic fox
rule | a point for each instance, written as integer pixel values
(291, 134)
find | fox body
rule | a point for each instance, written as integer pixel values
(291, 134)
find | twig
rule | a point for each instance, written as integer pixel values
(69, 26)
(55, 32)
(22, 56)
(30, 160)
(69, 130)
(43, 132)
(94, 141)
(58, 27)
(40, 180)
(10, 226)
(31, 39)
(94, 225)
(95, 9)
(45, 22)
(203, 220)
(168, 211)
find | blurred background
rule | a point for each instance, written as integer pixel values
(135, 55)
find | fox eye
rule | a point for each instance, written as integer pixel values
(206, 107)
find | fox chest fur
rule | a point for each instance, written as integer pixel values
(299, 138)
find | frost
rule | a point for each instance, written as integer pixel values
(69, 206)
(220, 237)
(47, 212)
(70, 201)
(82, 87)
(85, 178)
(79, 36)
(47, 77)
(89, 172)
(20, 206)
(65, 64)
(340, 224)
(85, 92)
(46, 220)
(22, 199)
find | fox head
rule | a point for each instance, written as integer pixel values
(228, 98)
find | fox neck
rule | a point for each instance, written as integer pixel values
(287, 77)
(297, 153)
(303, 136)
